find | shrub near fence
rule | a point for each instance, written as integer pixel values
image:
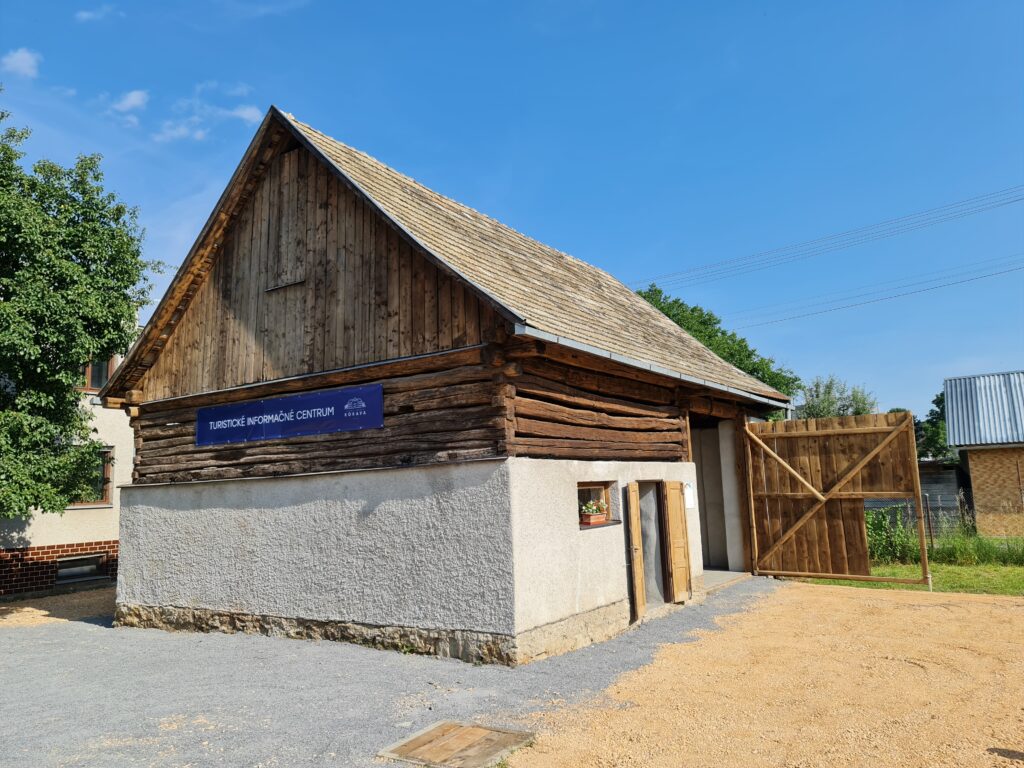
(892, 538)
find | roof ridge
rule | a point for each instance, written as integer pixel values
(525, 275)
(1012, 372)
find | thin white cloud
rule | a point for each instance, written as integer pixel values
(131, 100)
(130, 121)
(236, 90)
(21, 61)
(195, 117)
(95, 14)
(247, 113)
(63, 90)
(187, 128)
(249, 9)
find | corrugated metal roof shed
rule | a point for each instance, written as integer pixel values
(987, 409)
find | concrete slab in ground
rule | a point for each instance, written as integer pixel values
(80, 693)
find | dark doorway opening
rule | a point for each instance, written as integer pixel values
(652, 537)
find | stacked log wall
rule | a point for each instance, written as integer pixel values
(489, 401)
(564, 406)
(448, 415)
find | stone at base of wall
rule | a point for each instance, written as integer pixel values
(698, 592)
(475, 647)
(573, 632)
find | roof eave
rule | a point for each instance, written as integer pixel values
(522, 329)
(153, 329)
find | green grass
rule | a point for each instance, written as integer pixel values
(981, 579)
(966, 549)
(893, 541)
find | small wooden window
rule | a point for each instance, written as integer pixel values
(594, 503)
(102, 483)
(97, 374)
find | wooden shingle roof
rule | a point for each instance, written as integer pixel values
(548, 294)
(558, 295)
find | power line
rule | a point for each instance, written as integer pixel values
(822, 299)
(762, 260)
(800, 255)
(897, 225)
(883, 298)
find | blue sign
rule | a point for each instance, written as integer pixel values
(311, 413)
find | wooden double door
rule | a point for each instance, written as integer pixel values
(658, 547)
(808, 482)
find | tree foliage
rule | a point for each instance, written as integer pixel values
(931, 432)
(72, 279)
(707, 328)
(831, 396)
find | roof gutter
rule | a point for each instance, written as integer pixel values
(526, 330)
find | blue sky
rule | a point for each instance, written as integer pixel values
(644, 138)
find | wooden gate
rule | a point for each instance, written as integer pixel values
(807, 481)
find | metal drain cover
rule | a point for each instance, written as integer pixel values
(457, 745)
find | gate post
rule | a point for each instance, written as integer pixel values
(926, 573)
(750, 497)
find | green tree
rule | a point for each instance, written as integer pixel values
(831, 396)
(707, 328)
(931, 433)
(931, 436)
(72, 279)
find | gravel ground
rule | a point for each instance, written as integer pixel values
(815, 676)
(77, 692)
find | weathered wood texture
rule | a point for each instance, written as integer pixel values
(453, 414)
(638, 601)
(309, 277)
(812, 459)
(563, 410)
(676, 541)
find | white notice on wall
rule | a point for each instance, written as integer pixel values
(688, 498)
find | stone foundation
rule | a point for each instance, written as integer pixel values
(474, 647)
(573, 632)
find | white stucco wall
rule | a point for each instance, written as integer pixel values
(77, 524)
(561, 570)
(416, 547)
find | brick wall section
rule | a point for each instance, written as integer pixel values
(997, 480)
(34, 569)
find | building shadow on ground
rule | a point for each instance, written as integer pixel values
(90, 606)
(1009, 754)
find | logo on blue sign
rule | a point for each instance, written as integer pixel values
(310, 413)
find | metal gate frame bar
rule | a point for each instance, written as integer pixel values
(821, 499)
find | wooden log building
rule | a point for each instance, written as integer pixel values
(515, 383)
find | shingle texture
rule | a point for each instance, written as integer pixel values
(549, 290)
(987, 409)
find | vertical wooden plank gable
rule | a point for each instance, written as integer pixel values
(311, 278)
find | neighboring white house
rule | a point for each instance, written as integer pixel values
(52, 551)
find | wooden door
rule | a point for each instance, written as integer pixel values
(676, 542)
(636, 553)
(807, 481)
